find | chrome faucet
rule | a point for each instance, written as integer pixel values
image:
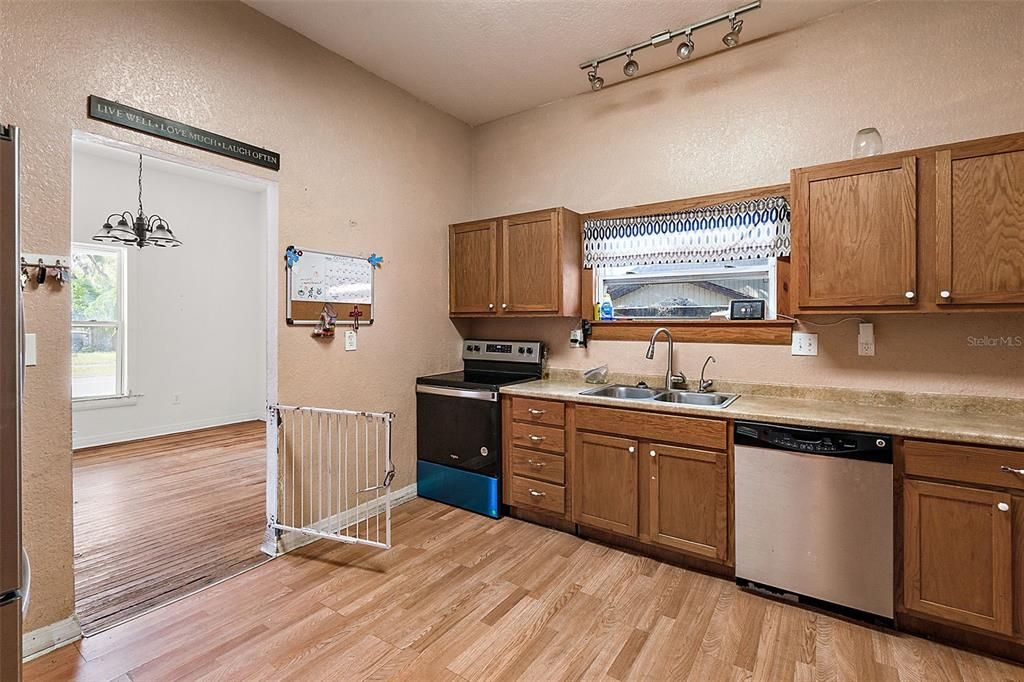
(671, 378)
(705, 385)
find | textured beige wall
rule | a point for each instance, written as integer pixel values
(921, 72)
(365, 167)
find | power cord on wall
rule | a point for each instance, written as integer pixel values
(822, 324)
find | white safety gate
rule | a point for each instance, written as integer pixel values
(331, 474)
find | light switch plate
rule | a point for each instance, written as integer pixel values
(30, 350)
(350, 339)
(805, 343)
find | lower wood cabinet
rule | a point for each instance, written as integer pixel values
(605, 483)
(958, 554)
(689, 499)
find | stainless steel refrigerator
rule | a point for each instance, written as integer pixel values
(12, 365)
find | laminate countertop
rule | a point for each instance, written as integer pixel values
(902, 415)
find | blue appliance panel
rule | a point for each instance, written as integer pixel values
(459, 488)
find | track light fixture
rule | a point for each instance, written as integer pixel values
(684, 51)
(685, 48)
(630, 68)
(732, 38)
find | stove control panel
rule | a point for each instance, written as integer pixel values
(502, 351)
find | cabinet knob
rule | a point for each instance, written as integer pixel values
(504, 305)
(910, 295)
(944, 294)
(632, 449)
(1003, 507)
(653, 453)
(490, 306)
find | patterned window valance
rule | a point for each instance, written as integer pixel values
(741, 230)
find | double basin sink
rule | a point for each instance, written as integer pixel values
(622, 392)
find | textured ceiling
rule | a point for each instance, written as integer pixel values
(480, 60)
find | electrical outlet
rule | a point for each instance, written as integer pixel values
(866, 339)
(350, 340)
(805, 343)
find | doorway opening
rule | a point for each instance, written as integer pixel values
(173, 358)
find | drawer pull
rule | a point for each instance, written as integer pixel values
(535, 411)
(537, 493)
(537, 439)
(539, 465)
(1003, 507)
(1011, 470)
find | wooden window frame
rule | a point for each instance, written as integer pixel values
(762, 332)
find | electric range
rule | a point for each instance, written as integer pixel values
(458, 423)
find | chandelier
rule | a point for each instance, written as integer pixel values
(137, 230)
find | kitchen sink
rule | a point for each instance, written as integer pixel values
(626, 392)
(680, 397)
(694, 398)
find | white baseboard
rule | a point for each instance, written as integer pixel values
(49, 637)
(164, 430)
(290, 540)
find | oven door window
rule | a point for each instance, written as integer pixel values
(459, 432)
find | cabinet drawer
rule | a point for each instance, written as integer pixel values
(538, 495)
(538, 437)
(538, 411)
(539, 465)
(705, 433)
(964, 463)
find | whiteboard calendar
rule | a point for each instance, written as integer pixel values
(331, 278)
(316, 278)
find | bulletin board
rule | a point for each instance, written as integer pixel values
(315, 278)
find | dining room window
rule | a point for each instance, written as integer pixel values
(98, 361)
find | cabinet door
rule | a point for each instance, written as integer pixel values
(689, 506)
(855, 234)
(979, 216)
(473, 268)
(957, 554)
(531, 263)
(604, 483)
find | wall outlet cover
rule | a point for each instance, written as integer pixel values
(866, 339)
(805, 343)
(30, 350)
(350, 339)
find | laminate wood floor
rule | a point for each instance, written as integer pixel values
(463, 597)
(159, 518)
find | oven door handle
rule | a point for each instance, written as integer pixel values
(489, 396)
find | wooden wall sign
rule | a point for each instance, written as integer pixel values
(129, 117)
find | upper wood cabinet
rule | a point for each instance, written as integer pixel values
(536, 266)
(929, 230)
(605, 483)
(473, 268)
(958, 547)
(855, 233)
(979, 215)
(689, 499)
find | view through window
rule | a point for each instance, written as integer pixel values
(97, 322)
(688, 290)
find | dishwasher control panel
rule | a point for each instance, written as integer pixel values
(815, 441)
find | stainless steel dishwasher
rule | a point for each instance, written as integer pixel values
(814, 515)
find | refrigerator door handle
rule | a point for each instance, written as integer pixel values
(26, 578)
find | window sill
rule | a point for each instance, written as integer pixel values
(86, 404)
(760, 332)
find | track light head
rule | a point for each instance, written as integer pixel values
(596, 82)
(630, 68)
(732, 38)
(685, 48)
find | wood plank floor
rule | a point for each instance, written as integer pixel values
(463, 597)
(162, 517)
